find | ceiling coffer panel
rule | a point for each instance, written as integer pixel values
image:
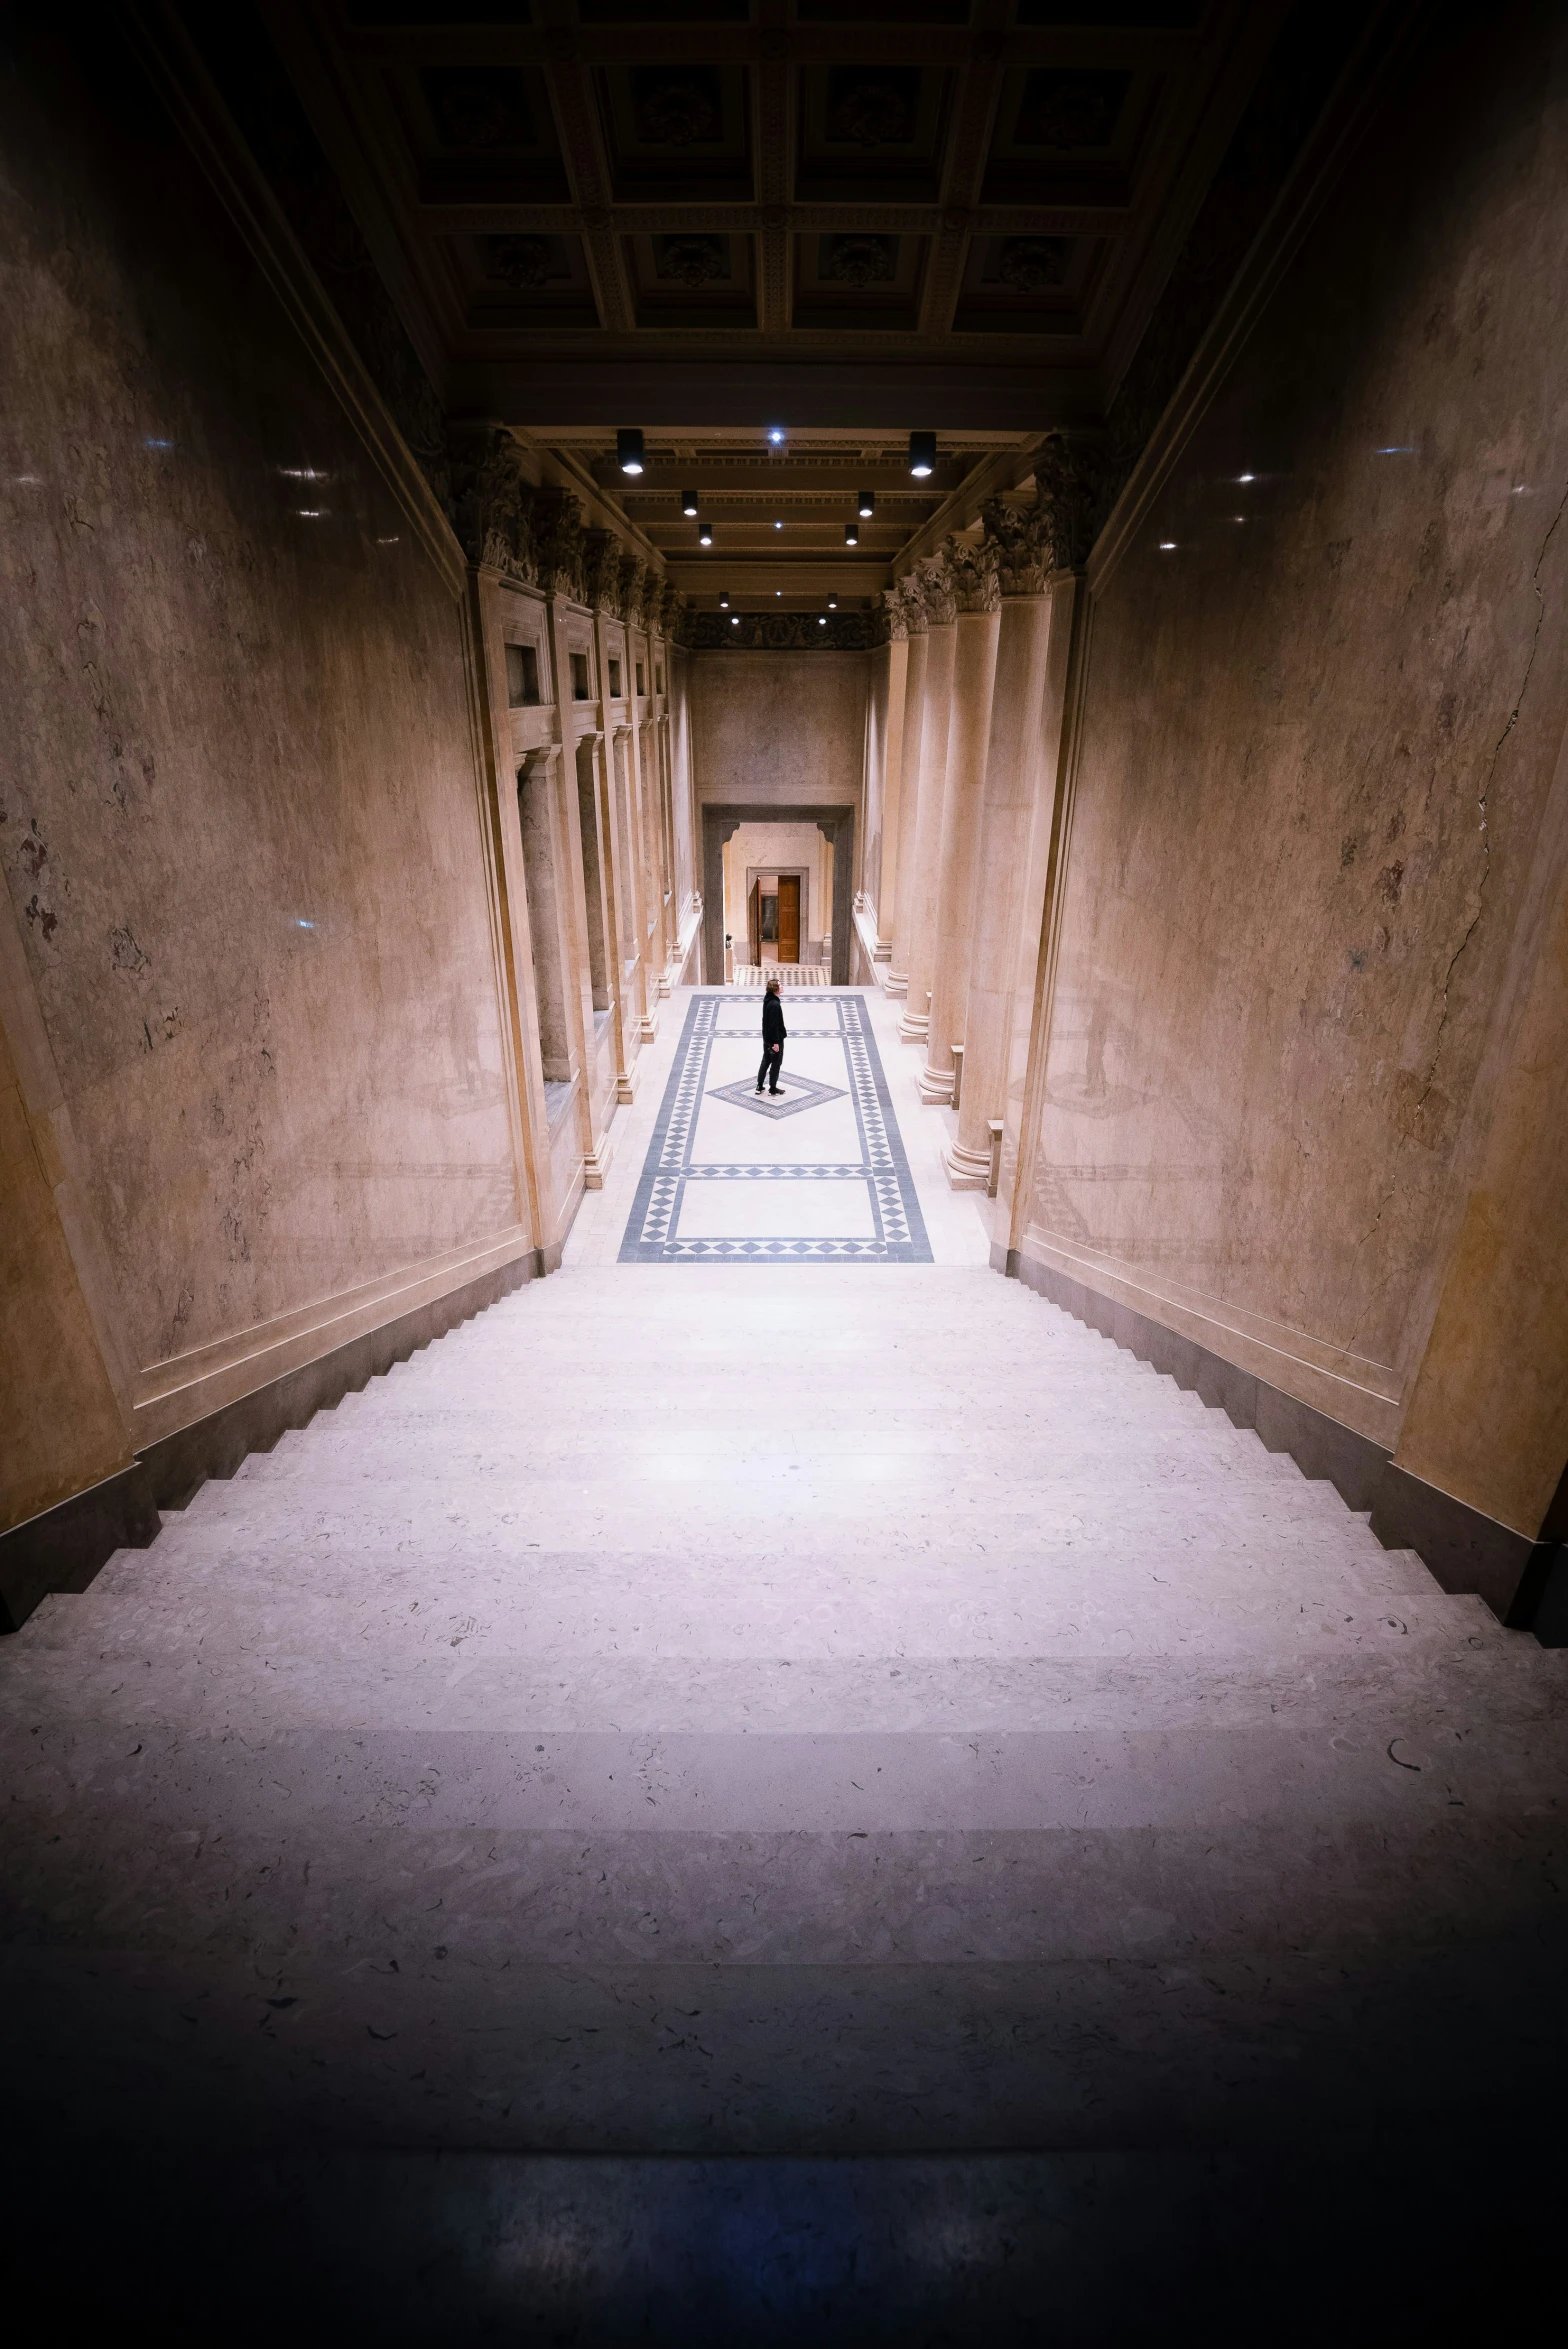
(677, 132)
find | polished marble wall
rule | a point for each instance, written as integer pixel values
(779, 727)
(1326, 698)
(239, 818)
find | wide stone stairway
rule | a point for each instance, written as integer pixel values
(948, 1823)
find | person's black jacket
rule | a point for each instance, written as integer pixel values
(773, 1028)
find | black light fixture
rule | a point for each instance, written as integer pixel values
(628, 449)
(852, 534)
(724, 599)
(689, 503)
(867, 504)
(705, 534)
(922, 455)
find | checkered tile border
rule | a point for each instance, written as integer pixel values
(900, 1232)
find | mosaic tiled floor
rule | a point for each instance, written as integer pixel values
(817, 1176)
(788, 974)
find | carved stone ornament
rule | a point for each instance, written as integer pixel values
(602, 572)
(976, 587)
(493, 500)
(1076, 482)
(937, 592)
(913, 600)
(1022, 537)
(560, 544)
(637, 584)
(895, 614)
(671, 611)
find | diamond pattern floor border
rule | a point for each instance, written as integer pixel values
(872, 1196)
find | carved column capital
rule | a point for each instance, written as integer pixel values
(895, 615)
(1076, 482)
(937, 592)
(560, 538)
(492, 499)
(973, 570)
(602, 573)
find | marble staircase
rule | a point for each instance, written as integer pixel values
(734, 1715)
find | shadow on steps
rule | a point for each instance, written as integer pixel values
(1428, 2236)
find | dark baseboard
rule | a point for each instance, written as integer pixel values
(1463, 1550)
(64, 1547)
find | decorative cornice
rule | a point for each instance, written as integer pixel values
(973, 570)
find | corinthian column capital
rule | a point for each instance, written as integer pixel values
(976, 586)
(937, 592)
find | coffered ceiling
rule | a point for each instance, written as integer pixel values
(707, 216)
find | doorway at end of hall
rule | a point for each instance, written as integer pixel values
(773, 918)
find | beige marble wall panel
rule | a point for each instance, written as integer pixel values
(1326, 693)
(240, 817)
(779, 727)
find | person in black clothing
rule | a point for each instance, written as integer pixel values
(773, 1035)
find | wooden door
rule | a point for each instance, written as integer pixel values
(789, 917)
(754, 924)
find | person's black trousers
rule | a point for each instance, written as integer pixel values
(772, 1062)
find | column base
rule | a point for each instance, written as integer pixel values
(648, 1026)
(935, 1085)
(596, 1163)
(966, 1170)
(896, 983)
(626, 1082)
(915, 1026)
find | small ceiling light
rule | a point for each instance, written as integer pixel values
(867, 503)
(1246, 477)
(778, 525)
(705, 534)
(852, 534)
(1167, 546)
(628, 449)
(776, 435)
(724, 599)
(922, 455)
(734, 619)
(689, 503)
(821, 622)
(778, 591)
(832, 603)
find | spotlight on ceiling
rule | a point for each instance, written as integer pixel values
(776, 436)
(867, 504)
(852, 534)
(689, 503)
(724, 599)
(734, 619)
(705, 534)
(628, 449)
(832, 603)
(778, 591)
(778, 525)
(821, 622)
(922, 455)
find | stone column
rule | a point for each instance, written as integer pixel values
(941, 610)
(1015, 762)
(976, 630)
(906, 606)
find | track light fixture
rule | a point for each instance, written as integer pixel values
(852, 534)
(922, 455)
(832, 603)
(628, 449)
(689, 503)
(705, 534)
(724, 599)
(867, 504)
